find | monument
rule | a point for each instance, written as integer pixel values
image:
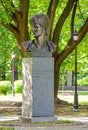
(38, 73)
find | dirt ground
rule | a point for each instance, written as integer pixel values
(61, 109)
(10, 108)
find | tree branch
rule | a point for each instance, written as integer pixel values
(83, 30)
(51, 13)
(11, 28)
(73, 17)
(23, 8)
(61, 20)
(70, 47)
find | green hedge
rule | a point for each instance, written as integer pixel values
(18, 86)
(5, 87)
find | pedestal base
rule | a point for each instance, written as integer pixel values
(38, 88)
(39, 119)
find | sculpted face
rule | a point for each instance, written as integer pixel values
(40, 24)
(37, 30)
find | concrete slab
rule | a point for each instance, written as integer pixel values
(40, 119)
(59, 127)
(8, 118)
(81, 119)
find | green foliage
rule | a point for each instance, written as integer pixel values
(6, 11)
(7, 46)
(83, 80)
(5, 87)
(82, 62)
(2, 128)
(38, 6)
(65, 121)
(8, 42)
(85, 93)
(18, 86)
(82, 55)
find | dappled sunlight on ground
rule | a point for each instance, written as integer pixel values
(69, 97)
(17, 97)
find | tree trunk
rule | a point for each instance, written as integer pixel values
(56, 78)
(20, 31)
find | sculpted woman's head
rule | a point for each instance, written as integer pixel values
(40, 24)
(40, 21)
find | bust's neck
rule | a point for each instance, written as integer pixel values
(41, 41)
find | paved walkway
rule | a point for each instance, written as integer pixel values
(82, 124)
(8, 118)
(60, 127)
(81, 119)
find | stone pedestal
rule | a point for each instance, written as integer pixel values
(38, 88)
(69, 79)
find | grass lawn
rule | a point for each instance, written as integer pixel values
(17, 97)
(11, 105)
(69, 96)
(63, 95)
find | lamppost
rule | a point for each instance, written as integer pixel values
(75, 37)
(13, 56)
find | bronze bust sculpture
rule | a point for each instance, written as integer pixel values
(40, 28)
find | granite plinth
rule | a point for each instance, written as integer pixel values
(37, 54)
(38, 87)
(39, 119)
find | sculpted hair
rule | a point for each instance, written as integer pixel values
(42, 20)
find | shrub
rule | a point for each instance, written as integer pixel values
(5, 87)
(18, 86)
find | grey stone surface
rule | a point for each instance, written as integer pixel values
(43, 84)
(43, 119)
(8, 118)
(39, 119)
(37, 54)
(59, 127)
(69, 79)
(27, 87)
(38, 87)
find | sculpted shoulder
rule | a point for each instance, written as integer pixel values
(51, 46)
(27, 44)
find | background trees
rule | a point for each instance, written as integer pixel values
(65, 17)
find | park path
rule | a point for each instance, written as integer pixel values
(79, 119)
(81, 123)
(59, 127)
